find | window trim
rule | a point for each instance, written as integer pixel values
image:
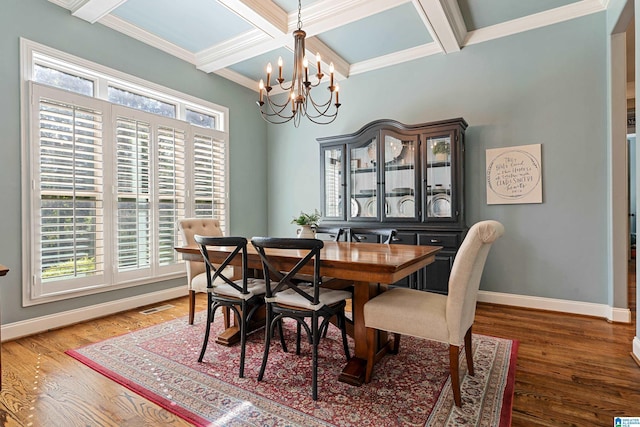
(31, 53)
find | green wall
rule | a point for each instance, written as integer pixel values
(51, 25)
(545, 86)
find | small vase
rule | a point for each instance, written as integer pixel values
(306, 232)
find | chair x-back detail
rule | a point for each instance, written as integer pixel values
(286, 297)
(436, 317)
(244, 296)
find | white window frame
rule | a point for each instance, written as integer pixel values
(33, 53)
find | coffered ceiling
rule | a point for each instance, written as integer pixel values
(237, 38)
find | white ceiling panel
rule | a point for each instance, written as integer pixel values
(190, 24)
(394, 30)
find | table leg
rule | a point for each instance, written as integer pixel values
(353, 372)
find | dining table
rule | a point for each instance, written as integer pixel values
(370, 267)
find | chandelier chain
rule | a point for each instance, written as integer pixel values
(299, 14)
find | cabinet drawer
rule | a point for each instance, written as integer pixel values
(405, 239)
(447, 240)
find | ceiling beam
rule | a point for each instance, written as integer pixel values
(314, 45)
(94, 10)
(395, 58)
(444, 22)
(262, 14)
(325, 15)
(320, 16)
(537, 20)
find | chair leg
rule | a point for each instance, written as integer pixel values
(371, 353)
(269, 330)
(298, 332)
(210, 315)
(192, 305)
(281, 333)
(467, 351)
(243, 335)
(454, 352)
(315, 335)
(396, 343)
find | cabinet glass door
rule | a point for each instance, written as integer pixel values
(363, 172)
(439, 178)
(333, 185)
(400, 177)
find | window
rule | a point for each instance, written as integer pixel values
(108, 178)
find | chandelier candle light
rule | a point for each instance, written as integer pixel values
(300, 102)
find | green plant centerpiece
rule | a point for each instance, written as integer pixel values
(307, 222)
(441, 147)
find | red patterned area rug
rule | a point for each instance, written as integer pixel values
(411, 388)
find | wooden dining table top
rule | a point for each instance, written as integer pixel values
(358, 261)
(371, 266)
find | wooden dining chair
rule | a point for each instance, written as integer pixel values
(361, 234)
(288, 298)
(243, 296)
(432, 316)
(335, 234)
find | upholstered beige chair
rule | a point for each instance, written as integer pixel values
(196, 277)
(434, 316)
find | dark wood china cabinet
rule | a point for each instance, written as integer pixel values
(407, 177)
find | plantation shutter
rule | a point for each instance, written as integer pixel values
(210, 191)
(67, 193)
(171, 190)
(133, 223)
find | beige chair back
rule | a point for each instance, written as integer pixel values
(464, 280)
(188, 228)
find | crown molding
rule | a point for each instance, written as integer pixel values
(538, 20)
(395, 58)
(237, 78)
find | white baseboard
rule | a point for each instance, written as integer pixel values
(15, 330)
(612, 314)
(19, 329)
(636, 349)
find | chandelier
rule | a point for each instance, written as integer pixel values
(300, 101)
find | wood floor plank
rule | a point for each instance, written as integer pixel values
(571, 371)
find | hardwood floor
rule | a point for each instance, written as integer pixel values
(571, 371)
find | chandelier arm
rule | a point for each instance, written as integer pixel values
(321, 109)
(320, 114)
(279, 122)
(275, 107)
(332, 117)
